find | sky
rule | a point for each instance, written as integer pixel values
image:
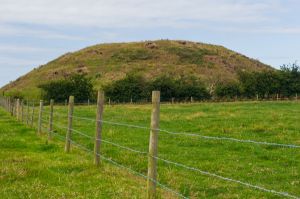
(34, 32)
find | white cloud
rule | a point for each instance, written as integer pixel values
(126, 13)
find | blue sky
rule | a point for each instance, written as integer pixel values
(33, 32)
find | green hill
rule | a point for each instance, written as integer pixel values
(110, 62)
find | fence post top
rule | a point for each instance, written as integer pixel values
(155, 96)
(100, 94)
(71, 98)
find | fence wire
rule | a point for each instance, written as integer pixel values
(191, 134)
(122, 166)
(279, 193)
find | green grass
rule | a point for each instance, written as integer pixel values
(32, 168)
(271, 167)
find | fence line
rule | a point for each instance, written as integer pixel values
(285, 194)
(121, 166)
(229, 179)
(193, 134)
(12, 108)
(106, 141)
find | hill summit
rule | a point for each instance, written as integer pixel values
(105, 63)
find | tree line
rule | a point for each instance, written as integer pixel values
(267, 84)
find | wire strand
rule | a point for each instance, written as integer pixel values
(105, 141)
(124, 167)
(228, 179)
(193, 134)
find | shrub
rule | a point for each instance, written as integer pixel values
(229, 90)
(78, 86)
(166, 85)
(191, 87)
(138, 89)
(131, 87)
(14, 94)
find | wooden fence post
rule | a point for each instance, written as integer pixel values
(15, 109)
(32, 114)
(27, 115)
(40, 122)
(22, 111)
(98, 135)
(11, 109)
(10, 105)
(51, 120)
(153, 144)
(70, 122)
(18, 109)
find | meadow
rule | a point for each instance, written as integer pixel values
(275, 168)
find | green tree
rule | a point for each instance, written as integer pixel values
(228, 90)
(131, 87)
(166, 85)
(77, 85)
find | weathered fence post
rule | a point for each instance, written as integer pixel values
(88, 102)
(27, 115)
(22, 111)
(51, 120)
(32, 114)
(98, 136)
(40, 117)
(277, 97)
(18, 109)
(70, 123)
(11, 106)
(296, 96)
(173, 100)
(192, 100)
(257, 98)
(14, 107)
(153, 144)
(109, 101)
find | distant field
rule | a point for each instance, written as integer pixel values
(272, 167)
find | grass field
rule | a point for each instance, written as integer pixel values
(32, 168)
(44, 167)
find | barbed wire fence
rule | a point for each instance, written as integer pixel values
(30, 114)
